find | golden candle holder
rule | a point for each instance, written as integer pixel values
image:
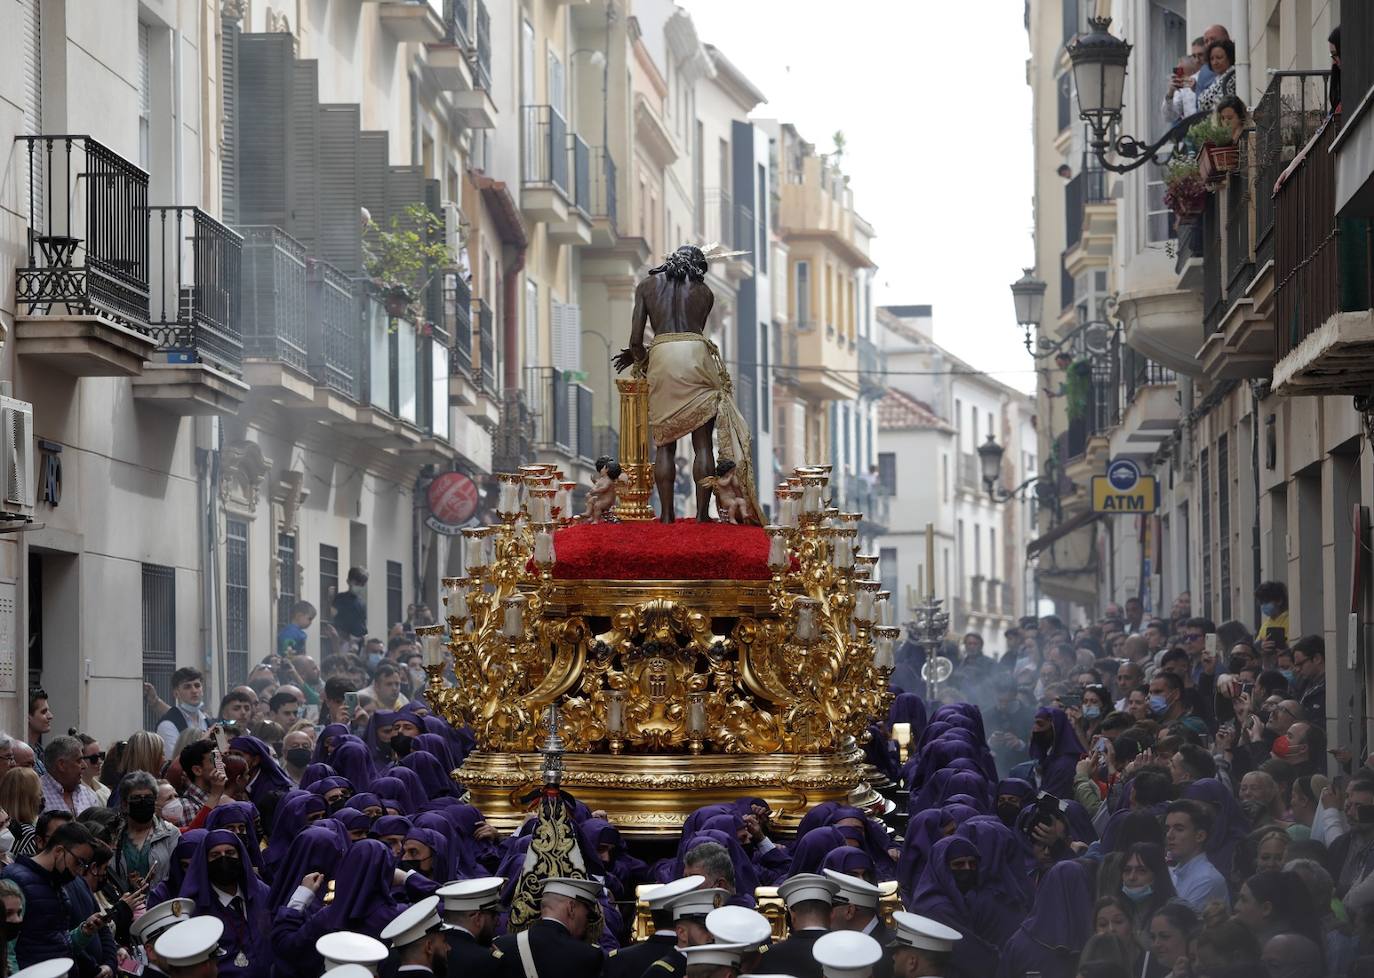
(632, 498)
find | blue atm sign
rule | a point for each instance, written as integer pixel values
(1124, 490)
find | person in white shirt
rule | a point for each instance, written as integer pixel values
(1197, 882)
(188, 690)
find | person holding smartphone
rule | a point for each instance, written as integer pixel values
(1272, 598)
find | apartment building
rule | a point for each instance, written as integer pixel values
(1248, 317)
(934, 414)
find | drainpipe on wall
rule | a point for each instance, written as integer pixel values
(510, 367)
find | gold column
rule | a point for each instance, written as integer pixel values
(632, 503)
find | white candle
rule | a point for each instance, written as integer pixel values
(863, 605)
(457, 598)
(811, 496)
(512, 622)
(777, 548)
(884, 607)
(543, 547)
(842, 556)
(696, 715)
(806, 619)
(882, 652)
(615, 712)
(434, 649)
(473, 549)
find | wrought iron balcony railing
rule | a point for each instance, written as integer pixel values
(458, 317)
(581, 171)
(334, 342)
(458, 22)
(1293, 107)
(726, 222)
(546, 149)
(481, 65)
(484, 368)
(603, 202)
(88, 231)
(872, 368)
(194, 289)
(554, 404)
(274, 296)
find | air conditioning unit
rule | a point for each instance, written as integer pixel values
(16, 457)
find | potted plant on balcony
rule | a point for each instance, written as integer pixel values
(402, 261)
(1077, 383)
(1218, 153)
(1184, 190)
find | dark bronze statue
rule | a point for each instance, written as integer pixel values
(689, 388)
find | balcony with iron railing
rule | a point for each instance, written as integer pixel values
(732, 226)
(194, 289)
(484, 365)
(481, 68)
(969, 474)
(194, 270)
(602, 205)
(334, 347)
(513, 438)
(872, 368)
(561, 412)
(274, 298)
(1325, 327)
(83, 276)
(546, 157)
(458, 316)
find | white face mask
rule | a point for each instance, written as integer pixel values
(6, 840)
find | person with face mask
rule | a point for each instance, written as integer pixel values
(1055, 751)
(221, 882)
(44, 933)
(143, 851)
(350, 606)
(1351, 857)
(297, 752)
(946, 894)
(1272, 597)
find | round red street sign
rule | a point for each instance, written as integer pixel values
(453, 498)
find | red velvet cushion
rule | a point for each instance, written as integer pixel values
(681, 551)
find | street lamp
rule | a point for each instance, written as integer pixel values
(1028, 295)
(990, 462)
(1098, 62)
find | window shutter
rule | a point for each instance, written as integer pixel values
(572, 324)
(33, 101)
(405, 185)
(264, 90)
(340, 237)
(228, 150)
(531, 323)
(303, 155)
(557, 338)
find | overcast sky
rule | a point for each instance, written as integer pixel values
(934, 106)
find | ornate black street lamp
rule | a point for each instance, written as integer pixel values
(990, 462)
(1099, 79)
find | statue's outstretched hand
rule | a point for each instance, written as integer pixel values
(634, 355)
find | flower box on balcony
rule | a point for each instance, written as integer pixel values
(1214, 162)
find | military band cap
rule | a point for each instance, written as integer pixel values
(658, 896)
(413, 923)
(346, 947)
(846, 954)
(348, 971)
(190, 942)
(465, 896)
(53, 968)
(157, 919)
(807, 886)
(738, 925)
(730, 954)
(853, 890)
(913, 930)
(585, 890)
(694, 903)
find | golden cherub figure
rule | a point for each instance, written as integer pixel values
(602, 495)
(730, 501)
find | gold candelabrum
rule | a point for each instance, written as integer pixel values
(664, 687)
